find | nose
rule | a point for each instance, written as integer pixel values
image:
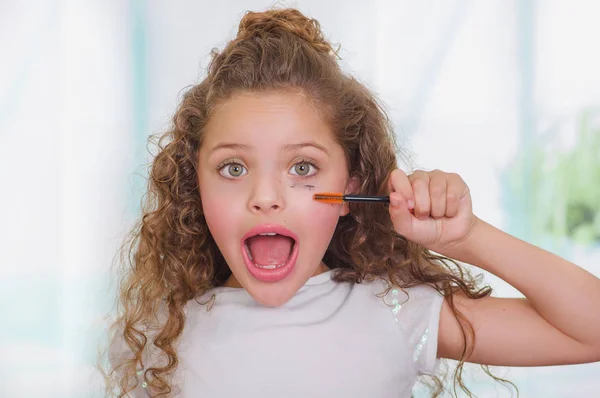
(266, 196)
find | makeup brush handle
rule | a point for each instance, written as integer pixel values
(369, 199)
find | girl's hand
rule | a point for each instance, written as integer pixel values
(432, 209)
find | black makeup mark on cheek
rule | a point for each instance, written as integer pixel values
(310, 187)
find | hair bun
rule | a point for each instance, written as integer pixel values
(285, 20)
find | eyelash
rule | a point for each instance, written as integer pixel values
(228, 162)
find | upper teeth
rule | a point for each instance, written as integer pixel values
(268, 233)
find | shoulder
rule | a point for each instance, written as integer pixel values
(415, 311)
(414, 296)
(418, 305)
(411, 304)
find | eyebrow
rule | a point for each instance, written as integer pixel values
(228, 146)
(289, 147)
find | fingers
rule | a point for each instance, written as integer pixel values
(456, 190)
(401, 201)
(437, 194)
(420, 184)
(400, 188)
(438, 185)
(433, 194)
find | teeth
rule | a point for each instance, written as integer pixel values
(268, 234)
(249, 254)
(266, 266)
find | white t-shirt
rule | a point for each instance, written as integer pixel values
(330, 340)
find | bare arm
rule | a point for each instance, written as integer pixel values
(557, 323)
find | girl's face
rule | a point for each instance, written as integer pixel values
(263, 156)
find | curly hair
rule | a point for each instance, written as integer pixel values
(171, 257)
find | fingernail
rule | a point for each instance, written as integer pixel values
(394, 202)
(411, 204)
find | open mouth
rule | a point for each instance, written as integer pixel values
(270, 252)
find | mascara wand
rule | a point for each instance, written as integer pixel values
(337, 198)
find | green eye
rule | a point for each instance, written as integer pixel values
(235, 169)
(232, 170)
(302, 169)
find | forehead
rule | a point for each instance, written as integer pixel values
(270, 117)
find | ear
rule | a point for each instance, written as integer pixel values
(351, 187)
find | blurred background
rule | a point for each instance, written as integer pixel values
(506, 93)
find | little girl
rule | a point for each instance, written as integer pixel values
(241, 284)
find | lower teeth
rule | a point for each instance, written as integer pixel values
(267, 266)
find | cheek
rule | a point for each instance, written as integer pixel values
(220, 205)
(325, 212)
(321, 220)
(318, 219)
(219, 211)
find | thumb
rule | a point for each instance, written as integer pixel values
(401, 215)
